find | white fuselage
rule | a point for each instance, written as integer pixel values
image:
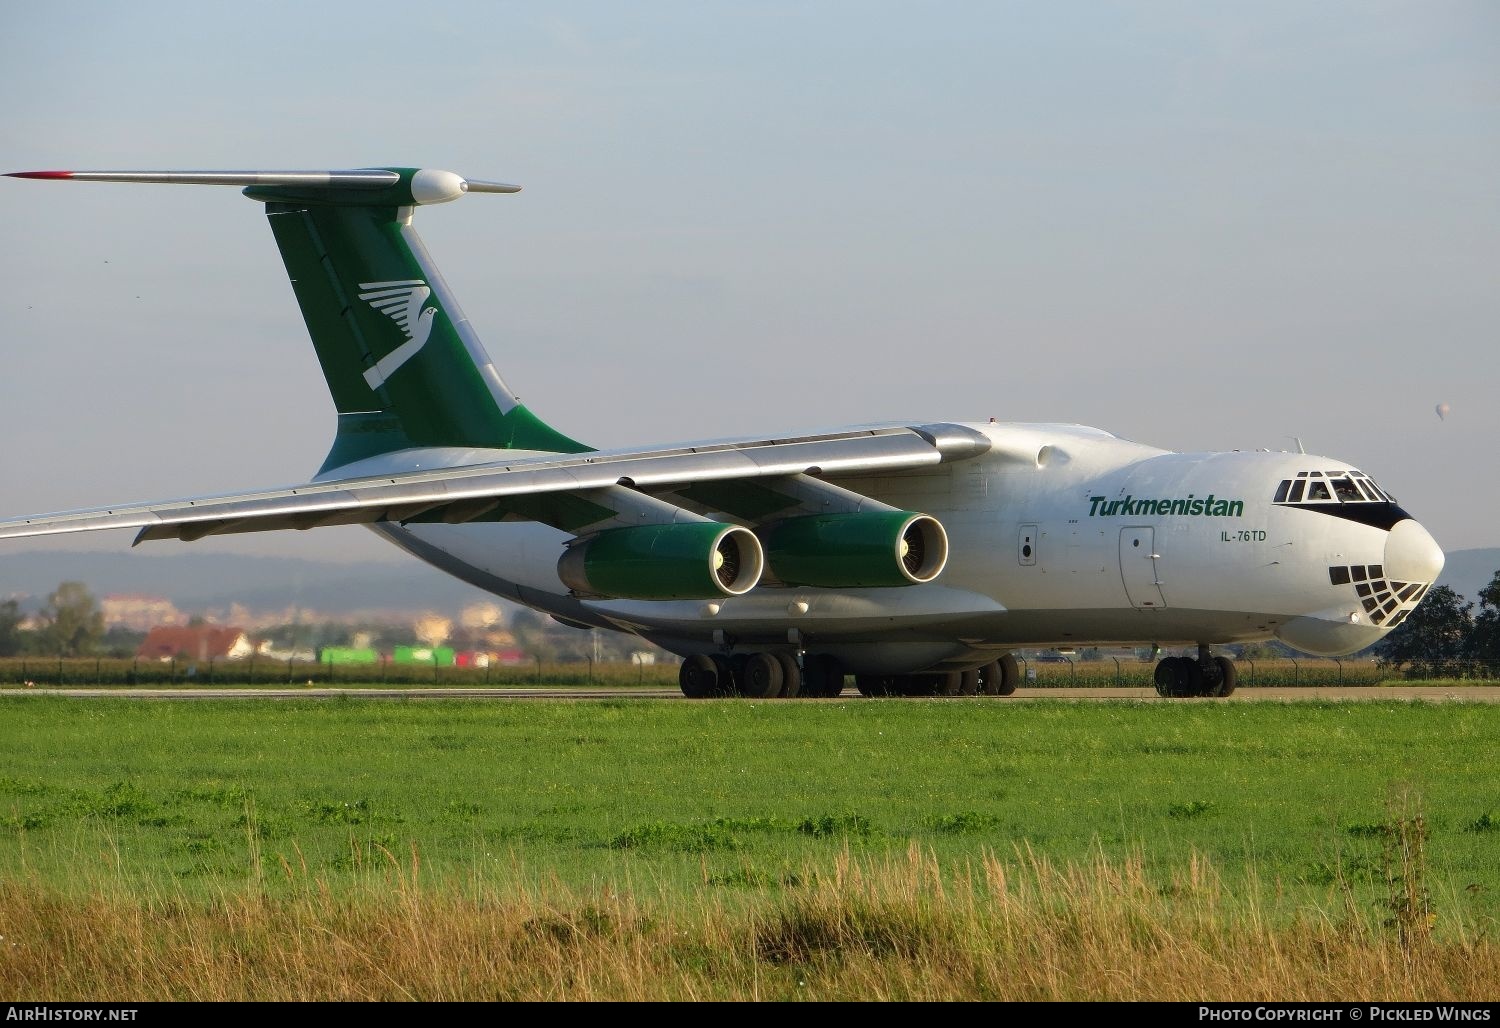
(1060, 535)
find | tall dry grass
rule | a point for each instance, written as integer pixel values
(900, 929)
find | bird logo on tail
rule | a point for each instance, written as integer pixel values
(401, 301)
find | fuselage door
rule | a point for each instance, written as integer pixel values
(1138, 568)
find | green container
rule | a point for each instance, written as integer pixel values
(348, 655)
(439, 656)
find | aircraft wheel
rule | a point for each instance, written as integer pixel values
(791, 674)
(1179, 676)
(1010, 675)
(968, 683)
(875, 685)
(760, 676)
(698, 677)
(1170, 678)
(919, 685)
(1228, 676)
(822, 676)
(1197, 681)
(989, 679)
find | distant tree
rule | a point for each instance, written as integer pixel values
(1484, 637)
(120, 641)
(71, 622)
(10, 628)
(1434, 634)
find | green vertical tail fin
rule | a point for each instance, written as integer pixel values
(402, 362)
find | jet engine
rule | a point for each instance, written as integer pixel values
(693, 561)
(870, 549)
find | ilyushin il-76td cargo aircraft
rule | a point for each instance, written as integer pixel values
(914, 557)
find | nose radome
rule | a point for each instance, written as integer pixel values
(1411, 554)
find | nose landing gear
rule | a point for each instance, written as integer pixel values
(1204, 675)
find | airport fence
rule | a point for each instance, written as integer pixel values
(1053, 673)
(259, 670)
(1128, 672)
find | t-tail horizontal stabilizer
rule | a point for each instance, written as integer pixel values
(426, 185)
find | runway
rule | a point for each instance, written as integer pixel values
(1427, 693)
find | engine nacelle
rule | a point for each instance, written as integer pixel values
(866, 550)
(694, 561)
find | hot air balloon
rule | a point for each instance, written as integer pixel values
(1442, 411)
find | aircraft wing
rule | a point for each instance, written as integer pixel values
(573, 491)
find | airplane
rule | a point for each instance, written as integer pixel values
(915, 557)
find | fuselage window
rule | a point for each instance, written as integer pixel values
(1281, 490)
(1318, 490)
(1296, 494)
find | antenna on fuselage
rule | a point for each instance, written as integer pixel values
(1298, 440)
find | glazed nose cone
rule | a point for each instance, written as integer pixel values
(1411, 554)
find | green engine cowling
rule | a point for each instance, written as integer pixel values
(866, 550)
(694, 561)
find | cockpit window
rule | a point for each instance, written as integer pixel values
(1346, 491)
(1349, 495)
(1330, 486)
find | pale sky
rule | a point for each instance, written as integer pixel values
(1197, 225)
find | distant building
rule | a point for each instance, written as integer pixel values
(433, 629)
(195, 642)
(138, 612)
(482, 615)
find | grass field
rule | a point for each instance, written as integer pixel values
(847, 843)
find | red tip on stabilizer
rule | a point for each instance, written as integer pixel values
(38, 174)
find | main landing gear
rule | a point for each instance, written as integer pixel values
(767, 675)
(1203, 675)
(997, 678)
(760, 676)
